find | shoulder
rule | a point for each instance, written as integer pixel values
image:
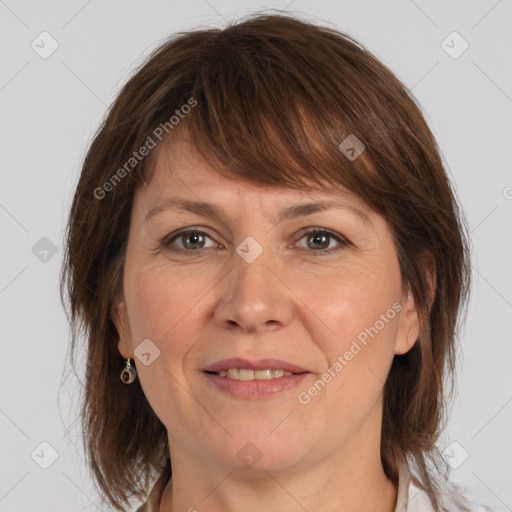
(454, 498)
(148, 506)
(152, 503)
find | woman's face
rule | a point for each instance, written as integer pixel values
(260, 285)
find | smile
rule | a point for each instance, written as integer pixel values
(248, 385)
(248, 374)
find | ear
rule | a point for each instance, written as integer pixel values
(120, 319)
(411, 319)
(409, 325)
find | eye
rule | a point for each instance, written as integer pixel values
(319, 238)
(193, 240)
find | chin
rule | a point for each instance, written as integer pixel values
(261, 449)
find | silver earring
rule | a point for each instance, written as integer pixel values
(129, 373)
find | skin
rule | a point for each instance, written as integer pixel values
(289, 303)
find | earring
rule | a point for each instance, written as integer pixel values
(128, 374)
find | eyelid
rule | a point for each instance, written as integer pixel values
(185, 231)
(318, 229)
(341, 239)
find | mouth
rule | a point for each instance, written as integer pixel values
(249, 374)
(262, 369)
(245, 379)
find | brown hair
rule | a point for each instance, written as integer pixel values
(274, 98)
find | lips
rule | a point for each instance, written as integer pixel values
(260, 364)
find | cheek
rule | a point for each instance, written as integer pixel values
(352, 298)
(165, 312)
(356, 337)
(354, 322)
(163, 302)
(171, 307)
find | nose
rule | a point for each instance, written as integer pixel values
(255, 296)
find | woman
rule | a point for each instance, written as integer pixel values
(269, 263)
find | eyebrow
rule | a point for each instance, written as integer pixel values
(206, 209)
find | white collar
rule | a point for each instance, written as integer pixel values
(410, 498)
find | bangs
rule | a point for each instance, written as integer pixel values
(269, 116)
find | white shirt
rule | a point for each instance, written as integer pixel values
(411, 498)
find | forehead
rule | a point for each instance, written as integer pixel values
(180, 170)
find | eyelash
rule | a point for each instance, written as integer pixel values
(343, 242)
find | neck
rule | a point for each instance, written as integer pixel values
(358, 492)
(350, 478)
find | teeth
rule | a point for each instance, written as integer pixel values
(247, 374)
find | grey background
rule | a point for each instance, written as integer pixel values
(50, 109)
